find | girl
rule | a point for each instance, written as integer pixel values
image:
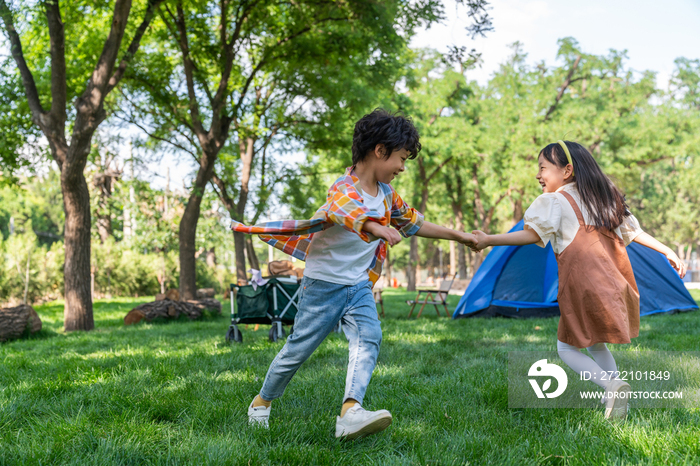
(584, 215)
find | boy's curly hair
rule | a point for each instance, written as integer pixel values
(393, 130)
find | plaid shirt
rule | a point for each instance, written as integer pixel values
(344, 206)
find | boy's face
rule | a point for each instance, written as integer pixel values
(388, 169)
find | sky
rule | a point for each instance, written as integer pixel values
(654, 33)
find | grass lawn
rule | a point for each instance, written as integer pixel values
(176, 393)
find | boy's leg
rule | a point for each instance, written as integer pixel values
(364, 333)
(320, 308)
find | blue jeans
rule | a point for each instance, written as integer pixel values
(321, 306)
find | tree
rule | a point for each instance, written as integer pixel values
(50, 113)
(228, 76)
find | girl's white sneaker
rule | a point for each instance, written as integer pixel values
(259, 415)
(617, 399)
(358, 422)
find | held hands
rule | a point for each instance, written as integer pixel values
(468, 240)
(481, 240)
(676, 263)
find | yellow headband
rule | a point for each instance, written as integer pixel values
(568, 155)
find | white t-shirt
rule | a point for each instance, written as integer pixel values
(338, 255)
(554, 220)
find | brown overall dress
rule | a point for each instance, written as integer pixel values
(598, 296)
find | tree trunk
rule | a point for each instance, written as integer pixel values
(76, 269)
(412, 269)
(247, 151)
(462, 261)
(211, 257)
(410, 277)
(188, 227)
(187, 235)
(477, 259)
(104, 218)
(518, 208)
(459, 226)
(239, 246)
(103, 183)
(15, 321)
(387, 272)
(250, 250)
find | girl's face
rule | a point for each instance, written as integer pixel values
(552, 177)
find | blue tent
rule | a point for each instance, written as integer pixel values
(522, 281)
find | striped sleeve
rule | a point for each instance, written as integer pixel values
(404, 218)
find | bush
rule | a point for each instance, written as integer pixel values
(45, 268)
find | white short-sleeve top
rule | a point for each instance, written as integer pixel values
(554, 220)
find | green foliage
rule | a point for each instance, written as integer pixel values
(21, 250)
(37, 200)
(18, 129)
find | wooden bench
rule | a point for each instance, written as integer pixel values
(435, 297)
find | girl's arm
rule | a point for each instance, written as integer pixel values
(431, 230)
(517, 238)
(652, 243)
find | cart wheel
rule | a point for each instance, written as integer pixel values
(273, 333)
(234, 334)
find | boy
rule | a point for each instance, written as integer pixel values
(344, 247)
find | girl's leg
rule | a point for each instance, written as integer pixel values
(579, 362)
(320, 308)
(364, 333)
(603, 358)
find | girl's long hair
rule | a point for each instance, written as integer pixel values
(603, 200)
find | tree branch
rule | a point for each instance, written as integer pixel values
(438, 168)
(58, 65)
(158, 138)
(223, 195)
(105, 64)
(564, 86)
(134, 46)
(27, 77)
(263, 60)
(187, 61)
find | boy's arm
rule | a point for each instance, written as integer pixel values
(652, 243)
(517, 238)
(390, 235)
(431, 230)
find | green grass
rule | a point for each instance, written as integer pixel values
(176, 393)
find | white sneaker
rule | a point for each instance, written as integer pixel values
(358, 422)
(617, 400)
(259, 415)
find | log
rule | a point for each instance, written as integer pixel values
(205, 293)
(15, 321)
(169, 309)
(209, 304)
